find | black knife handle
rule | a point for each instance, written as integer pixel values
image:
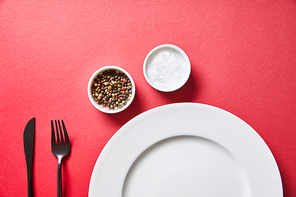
(30, 186)
(29, 161)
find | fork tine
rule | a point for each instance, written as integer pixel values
(57, 133)
(65, 133)
(61, 134)
(53, 141)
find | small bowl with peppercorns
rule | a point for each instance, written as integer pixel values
(111, 89)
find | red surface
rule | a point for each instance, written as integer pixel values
(243, 56)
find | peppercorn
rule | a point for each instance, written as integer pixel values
(111, 89)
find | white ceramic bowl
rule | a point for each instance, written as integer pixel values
(99, 107)
(166, 68)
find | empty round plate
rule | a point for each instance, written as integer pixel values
(186, 149)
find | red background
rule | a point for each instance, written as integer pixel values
(243, 60)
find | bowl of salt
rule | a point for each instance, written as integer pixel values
(166, 68)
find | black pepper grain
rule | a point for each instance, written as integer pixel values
(111, 89)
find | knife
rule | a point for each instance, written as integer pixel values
(29, 140)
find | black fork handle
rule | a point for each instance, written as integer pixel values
(59, 178)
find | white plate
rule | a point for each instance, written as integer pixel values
(187, 150)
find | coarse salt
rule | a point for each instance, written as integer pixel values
(166, 69)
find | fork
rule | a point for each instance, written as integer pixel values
(60, 147)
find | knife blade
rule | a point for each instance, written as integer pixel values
(29, 141)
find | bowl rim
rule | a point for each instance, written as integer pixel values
(188, 67)
(90, 82)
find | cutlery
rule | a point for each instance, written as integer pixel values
(60, 147)
(29, 137)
